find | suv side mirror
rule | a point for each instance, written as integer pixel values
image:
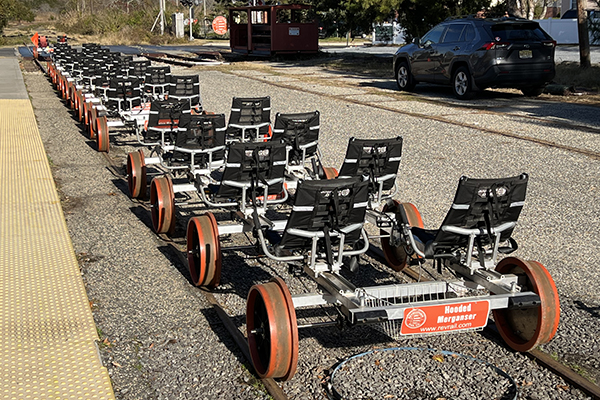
(417, 41)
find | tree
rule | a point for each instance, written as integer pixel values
(14, 10)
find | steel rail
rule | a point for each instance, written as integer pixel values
(588, 153)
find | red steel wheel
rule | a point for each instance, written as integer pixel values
(71, 97)
(204, 251)
(162, 203)
(330, 172)
(136, 174)
(294, 328)
(102, 134)
(396, 257)
(80, 105)
(272, 330)
(91, 121)
(525, 329)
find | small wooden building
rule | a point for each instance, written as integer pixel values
(267, 30)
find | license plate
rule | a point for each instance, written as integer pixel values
(525, 54)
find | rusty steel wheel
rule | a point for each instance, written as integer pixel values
(204, 251)
(80, 105)
(330, 172)
(396, 256)
(162, 203)
(102, 134)
(272, 330)
(525, 329)
(71, 96)
(91, 121)
(136, 174)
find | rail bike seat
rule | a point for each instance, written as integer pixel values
(138, 69)
(377, 160)
(250, 119)
(483, 214)
(324, 212)
(166, 118)
(202, 142)
(253, 169)
(157, 81)
(186, 87)
(124, 94)
(300, 133)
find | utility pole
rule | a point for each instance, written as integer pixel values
(584, 39)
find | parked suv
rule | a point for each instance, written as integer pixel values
(472, 54)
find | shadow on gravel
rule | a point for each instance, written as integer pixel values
(593, 311)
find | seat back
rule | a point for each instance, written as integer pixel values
(157, 80)
(253, 164)
(203, 132)
(299, 131)
(249, 112)
(332, 204)
(186, 87)
(376, 159)
(138, 69)
(481, 204)
(167, 116)
(124, 93)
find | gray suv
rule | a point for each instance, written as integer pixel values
(472, 54)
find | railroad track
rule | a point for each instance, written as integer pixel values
(588, 153)
(271, 385)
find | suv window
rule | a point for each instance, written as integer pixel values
(433, 36)
(468, 34)
(512, 32)
(453, 33)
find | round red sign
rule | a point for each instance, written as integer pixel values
(219, 25)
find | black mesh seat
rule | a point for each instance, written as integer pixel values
(376, 159)
(326, 209)
(186, 88)
(300, 132)
(203, 139)
(166, 118)
(481, 207)
(254, 167)
(138, 69)
(124, 94)
(249, 119)
(157, 81)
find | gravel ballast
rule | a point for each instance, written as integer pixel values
(160, 338)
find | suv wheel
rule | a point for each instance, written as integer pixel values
(533, 91)
(461, 84)
(404, 78)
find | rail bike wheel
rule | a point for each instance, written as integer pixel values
(204, 251)
(523, 329)
(71, 96)
(396, 256)
(162, 203)
(102, 137)
(272, 330)
(136, 174)
(330, 172)
(80, 106)
(91, 121)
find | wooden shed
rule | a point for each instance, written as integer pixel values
(267, 30)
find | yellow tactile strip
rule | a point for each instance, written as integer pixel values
(47, 333)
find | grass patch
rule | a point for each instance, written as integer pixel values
(14, 40)
(570, 74)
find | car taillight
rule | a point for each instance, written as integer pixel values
(494, 45)
(549, 43)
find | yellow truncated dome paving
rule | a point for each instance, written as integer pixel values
(47, 334)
